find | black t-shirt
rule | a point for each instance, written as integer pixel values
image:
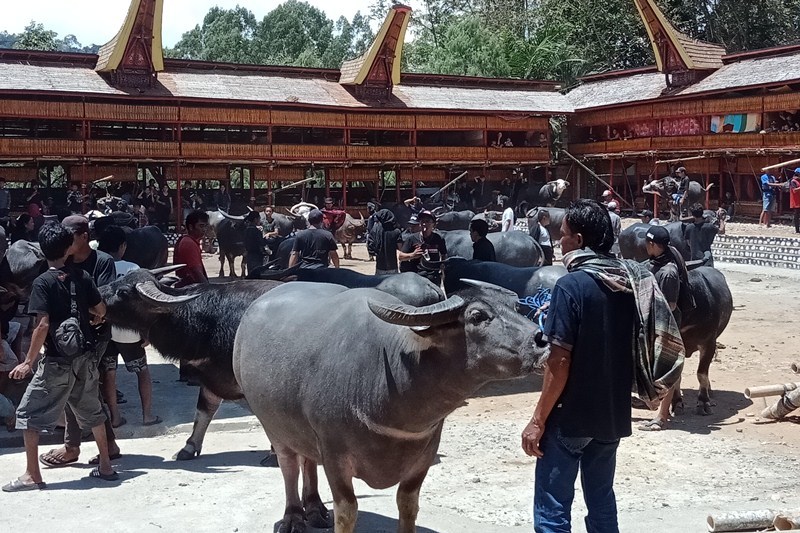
(483, 250)
(386, 249)
(314, 247)
(700, 237)
(254, 241)
(434, 245)
(596, 325)
(100, 267)
(50, 295)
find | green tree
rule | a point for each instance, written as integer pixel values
(294, 33)
(226, 35)
(35, 37)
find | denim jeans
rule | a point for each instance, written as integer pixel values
(556, 472)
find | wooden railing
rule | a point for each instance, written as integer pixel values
(308, 152)
(451, 153)
(522, 154)
(132, 149)
(40, 147)
(381, 153)
(690, 142)
(225, 151)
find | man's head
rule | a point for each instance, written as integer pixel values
(78, 225)
(656, 241)
(329, 203)
(196, 223)
(315, 217)
(113, 242)
(680, 172)
(428, 222)
(253, 217)
(606, 195)
(26, 221)
(646, 216)
(697, 211)
(587, 225)
(478, 229)
(55, 241)
(612, 206)
(413, 223)
(543, 217)
(268, 212)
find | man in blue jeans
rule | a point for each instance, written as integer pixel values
(585, 406)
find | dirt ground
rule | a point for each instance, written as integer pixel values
(667, 481)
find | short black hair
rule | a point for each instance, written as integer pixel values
(541, 214)
(196, 216)
(697, 210)
(111, 239)
(55, 240)
(592, 221)
(24, 218)
(252, 216)
(479, 226)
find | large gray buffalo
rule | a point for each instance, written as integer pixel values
(375, 412)
(514, 248)
(454, 220)
(351, 230)
(632, 241)
(194, 326)
(229, 232)
(26, 261)
(668, 185)
(556, 218)
(523, 281)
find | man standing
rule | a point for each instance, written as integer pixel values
(332, 218)
(427, 245)
(769, 203)
(647, 217)
(314, 247)
(188, 252)
(62, 378)
(794, 199)
(683, 187)
(382, 242)
(482, 248)
(74, 200)
(700, 235)
(585, 408)
(5, 200)
(616, 221)
(507, 221)
(542, 236)
(223, 198)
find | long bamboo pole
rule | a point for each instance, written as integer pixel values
(449, 184)
(295, 184)
(595, 176)
(681, 160)
(781, 165)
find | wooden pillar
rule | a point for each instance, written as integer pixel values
(344, 188)
(178, 202)
(252, 186)
(327, 184)
(611, 177)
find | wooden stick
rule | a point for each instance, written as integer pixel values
(449, 184)
(780, 165)
(107, 178)
(295, 184)
(681, 160)
(595, 176)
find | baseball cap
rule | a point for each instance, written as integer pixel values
(76, 223)
(645, 213)
(413, 220)
(797, 172)
(606, 193)
(315, 216)
(426, 214)
(612, 205)
(658, 235)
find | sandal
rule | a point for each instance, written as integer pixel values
(153, 422)
(19, 486)
(653, 425)
(96, 459)
(97, 474)
(54, 459)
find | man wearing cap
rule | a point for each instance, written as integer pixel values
(700, 235)
(648, 218)
(794, 199)
(616, 221)
(314, 247)
(424, 245)
(332, 218)
(769, 204)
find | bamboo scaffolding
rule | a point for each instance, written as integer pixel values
(681, 160)
(781, 165)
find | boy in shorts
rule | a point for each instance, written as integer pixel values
(59, 380)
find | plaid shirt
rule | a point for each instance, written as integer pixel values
(141, 219)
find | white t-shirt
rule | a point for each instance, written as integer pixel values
(507, 222)
(544, 237)
(120, 335)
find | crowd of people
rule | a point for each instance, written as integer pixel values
(771, 186)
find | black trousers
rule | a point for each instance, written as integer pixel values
(796, 219)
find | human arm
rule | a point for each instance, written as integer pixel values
(556, 373)
(333, 255)
(410, 201)
(24, 369)
(405, 252)
(98, 313)
(295, 256)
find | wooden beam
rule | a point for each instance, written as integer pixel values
(595, 176)
(781, 165)
(681, 160)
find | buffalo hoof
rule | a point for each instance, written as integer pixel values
(292, 524)
(185, 455)
(319, 518)
(678, 408)
(704, 408)
(270, 461)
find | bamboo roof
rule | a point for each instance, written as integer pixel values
(381, 61)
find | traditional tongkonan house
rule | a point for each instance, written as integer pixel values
(722, 116)
(365, 130)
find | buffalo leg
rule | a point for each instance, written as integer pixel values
(408, 503)
(293, 521)
(221, 264)
(707, 352)
(345, 505)
(316, 514)
(207, 406)
(244, 265)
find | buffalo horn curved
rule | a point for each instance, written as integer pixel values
(433, 315)
(150, 290)
(239, 218)
(165, 269)
(490, 286)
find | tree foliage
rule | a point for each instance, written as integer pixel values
(36, 37)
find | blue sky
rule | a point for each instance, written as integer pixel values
(96, 21)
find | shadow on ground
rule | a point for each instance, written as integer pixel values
(371, 523)
(725, 404)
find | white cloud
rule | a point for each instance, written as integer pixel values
(96, 21)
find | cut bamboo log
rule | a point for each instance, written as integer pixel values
(786, 522)
(741, 521)
(796, 368)
(770, 390)
(781, 165)
(788, 403)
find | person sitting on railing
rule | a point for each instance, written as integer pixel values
(614, 135)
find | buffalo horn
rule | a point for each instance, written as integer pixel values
(407, 315)
(165, 269)
(231, 217)
(151, 291)
(490, 286)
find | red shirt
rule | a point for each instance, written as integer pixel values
(333, 219)
(794, 193)
(187, 252)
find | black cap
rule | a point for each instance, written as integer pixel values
(658, 235)
(315, 216)
(646, 213)
(426, 214)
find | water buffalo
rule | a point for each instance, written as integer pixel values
(454, 220)
(408, 287)
(551, 192)
(523, 281)
(349, 232)
(147, 246)
(556, 218)
(195, 326)
(511, 247)
(378, 413)
(632, 241)
(26, 261)
(668, 185)
(229, 232)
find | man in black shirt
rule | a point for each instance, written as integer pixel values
(101, 269)
(423, 252)
(382, 242)
(700, 234)
(254, 241)
(60, 380)
(482, 248)
(314, 247)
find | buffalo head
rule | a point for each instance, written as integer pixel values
(480, 325)
(560, 186)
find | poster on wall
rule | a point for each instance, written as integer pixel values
(739, 123)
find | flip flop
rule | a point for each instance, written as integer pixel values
(153, 422)
(96, 459)
(19, 486)
(50, 459)
(95, 473)
(122, 422)
(653, 425)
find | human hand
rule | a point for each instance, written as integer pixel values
(531, 436)
(418, 252)
(96, 319)
(21, 371)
